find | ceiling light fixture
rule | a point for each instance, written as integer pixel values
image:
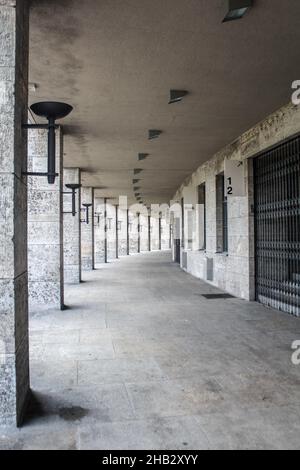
(154, 134)
(143, 156)
(51, 111)
(177, 95)
(237, 9)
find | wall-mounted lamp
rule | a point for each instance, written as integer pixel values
(135, 181)
(73, 188)
(52, 111)
(154, 134)
(177, 95)
(97, 216)
(137, 171)
(86, 208)
(237, 9)
(143, 156)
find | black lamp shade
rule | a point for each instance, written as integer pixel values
(73, 187)
(51, 110)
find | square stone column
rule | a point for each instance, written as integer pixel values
(72, 228)
(99, 231)
(144, 232)
(111, 232)
(14, 350)
(87, 231)
(149, 232)
(155, 233)
(122, 232)
(45, 225)
(165, 234)
(133, 233)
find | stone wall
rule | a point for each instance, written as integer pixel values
(234, 271)
(14, 350)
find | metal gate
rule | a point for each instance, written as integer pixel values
(277, 222)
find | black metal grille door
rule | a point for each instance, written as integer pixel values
(277, 220)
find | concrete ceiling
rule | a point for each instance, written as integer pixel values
(116, 60)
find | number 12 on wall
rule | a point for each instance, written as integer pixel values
(229, 187)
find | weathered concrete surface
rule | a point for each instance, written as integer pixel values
(87, 231)
(237, 74)
(14, 367)
(142, 361)
(45, 225)
(72, 229)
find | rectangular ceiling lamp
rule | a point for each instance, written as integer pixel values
(154, 134)
(177, 95)
(143, 156)
(237, 9)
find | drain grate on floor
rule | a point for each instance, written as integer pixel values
(217, 296)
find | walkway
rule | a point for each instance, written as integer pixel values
(141, 360)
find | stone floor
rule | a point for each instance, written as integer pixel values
(140, 360)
